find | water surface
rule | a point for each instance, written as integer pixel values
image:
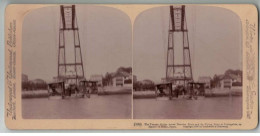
(96, 107)
(205, 108)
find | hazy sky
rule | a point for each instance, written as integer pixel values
(214, 37)
(105, 36)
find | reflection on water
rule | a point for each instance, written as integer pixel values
(206, 108)
(97, 107)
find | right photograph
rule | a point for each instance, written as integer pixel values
(187, 63)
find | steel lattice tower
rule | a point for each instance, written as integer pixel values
(181, 72)
(72, 71)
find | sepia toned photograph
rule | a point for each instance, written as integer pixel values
(131, 66)
(76, 63)
(187, 63)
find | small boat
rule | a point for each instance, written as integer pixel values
(57, 91)
(165, 91)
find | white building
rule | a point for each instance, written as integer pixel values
(122, 79)
(228, 81)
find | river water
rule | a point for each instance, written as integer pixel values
(205, 108)
(119, 107)
(96, 107)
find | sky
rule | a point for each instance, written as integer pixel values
(105, 37)
(106, 41)
(214, 39)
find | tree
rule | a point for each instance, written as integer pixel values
(108, 79)
(137, 86)
(233, 72)
(124, 69)
(215, 81)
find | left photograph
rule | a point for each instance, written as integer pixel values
(77, 63)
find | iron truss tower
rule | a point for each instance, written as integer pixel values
(178, 69)
(69, 71)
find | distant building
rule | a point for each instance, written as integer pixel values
(25, 78)
(228, 81)
(98, 78)
(236, 78)
(147, 82)
(38, 81)
(118, 81)
(206, 80)
(122, 79)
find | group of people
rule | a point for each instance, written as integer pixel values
(192, 90)
(69, 89)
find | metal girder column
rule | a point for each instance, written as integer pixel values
(70, 72)
(180, 73)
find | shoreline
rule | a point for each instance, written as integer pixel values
(136, 94)
(216, 92)
(101, 91)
